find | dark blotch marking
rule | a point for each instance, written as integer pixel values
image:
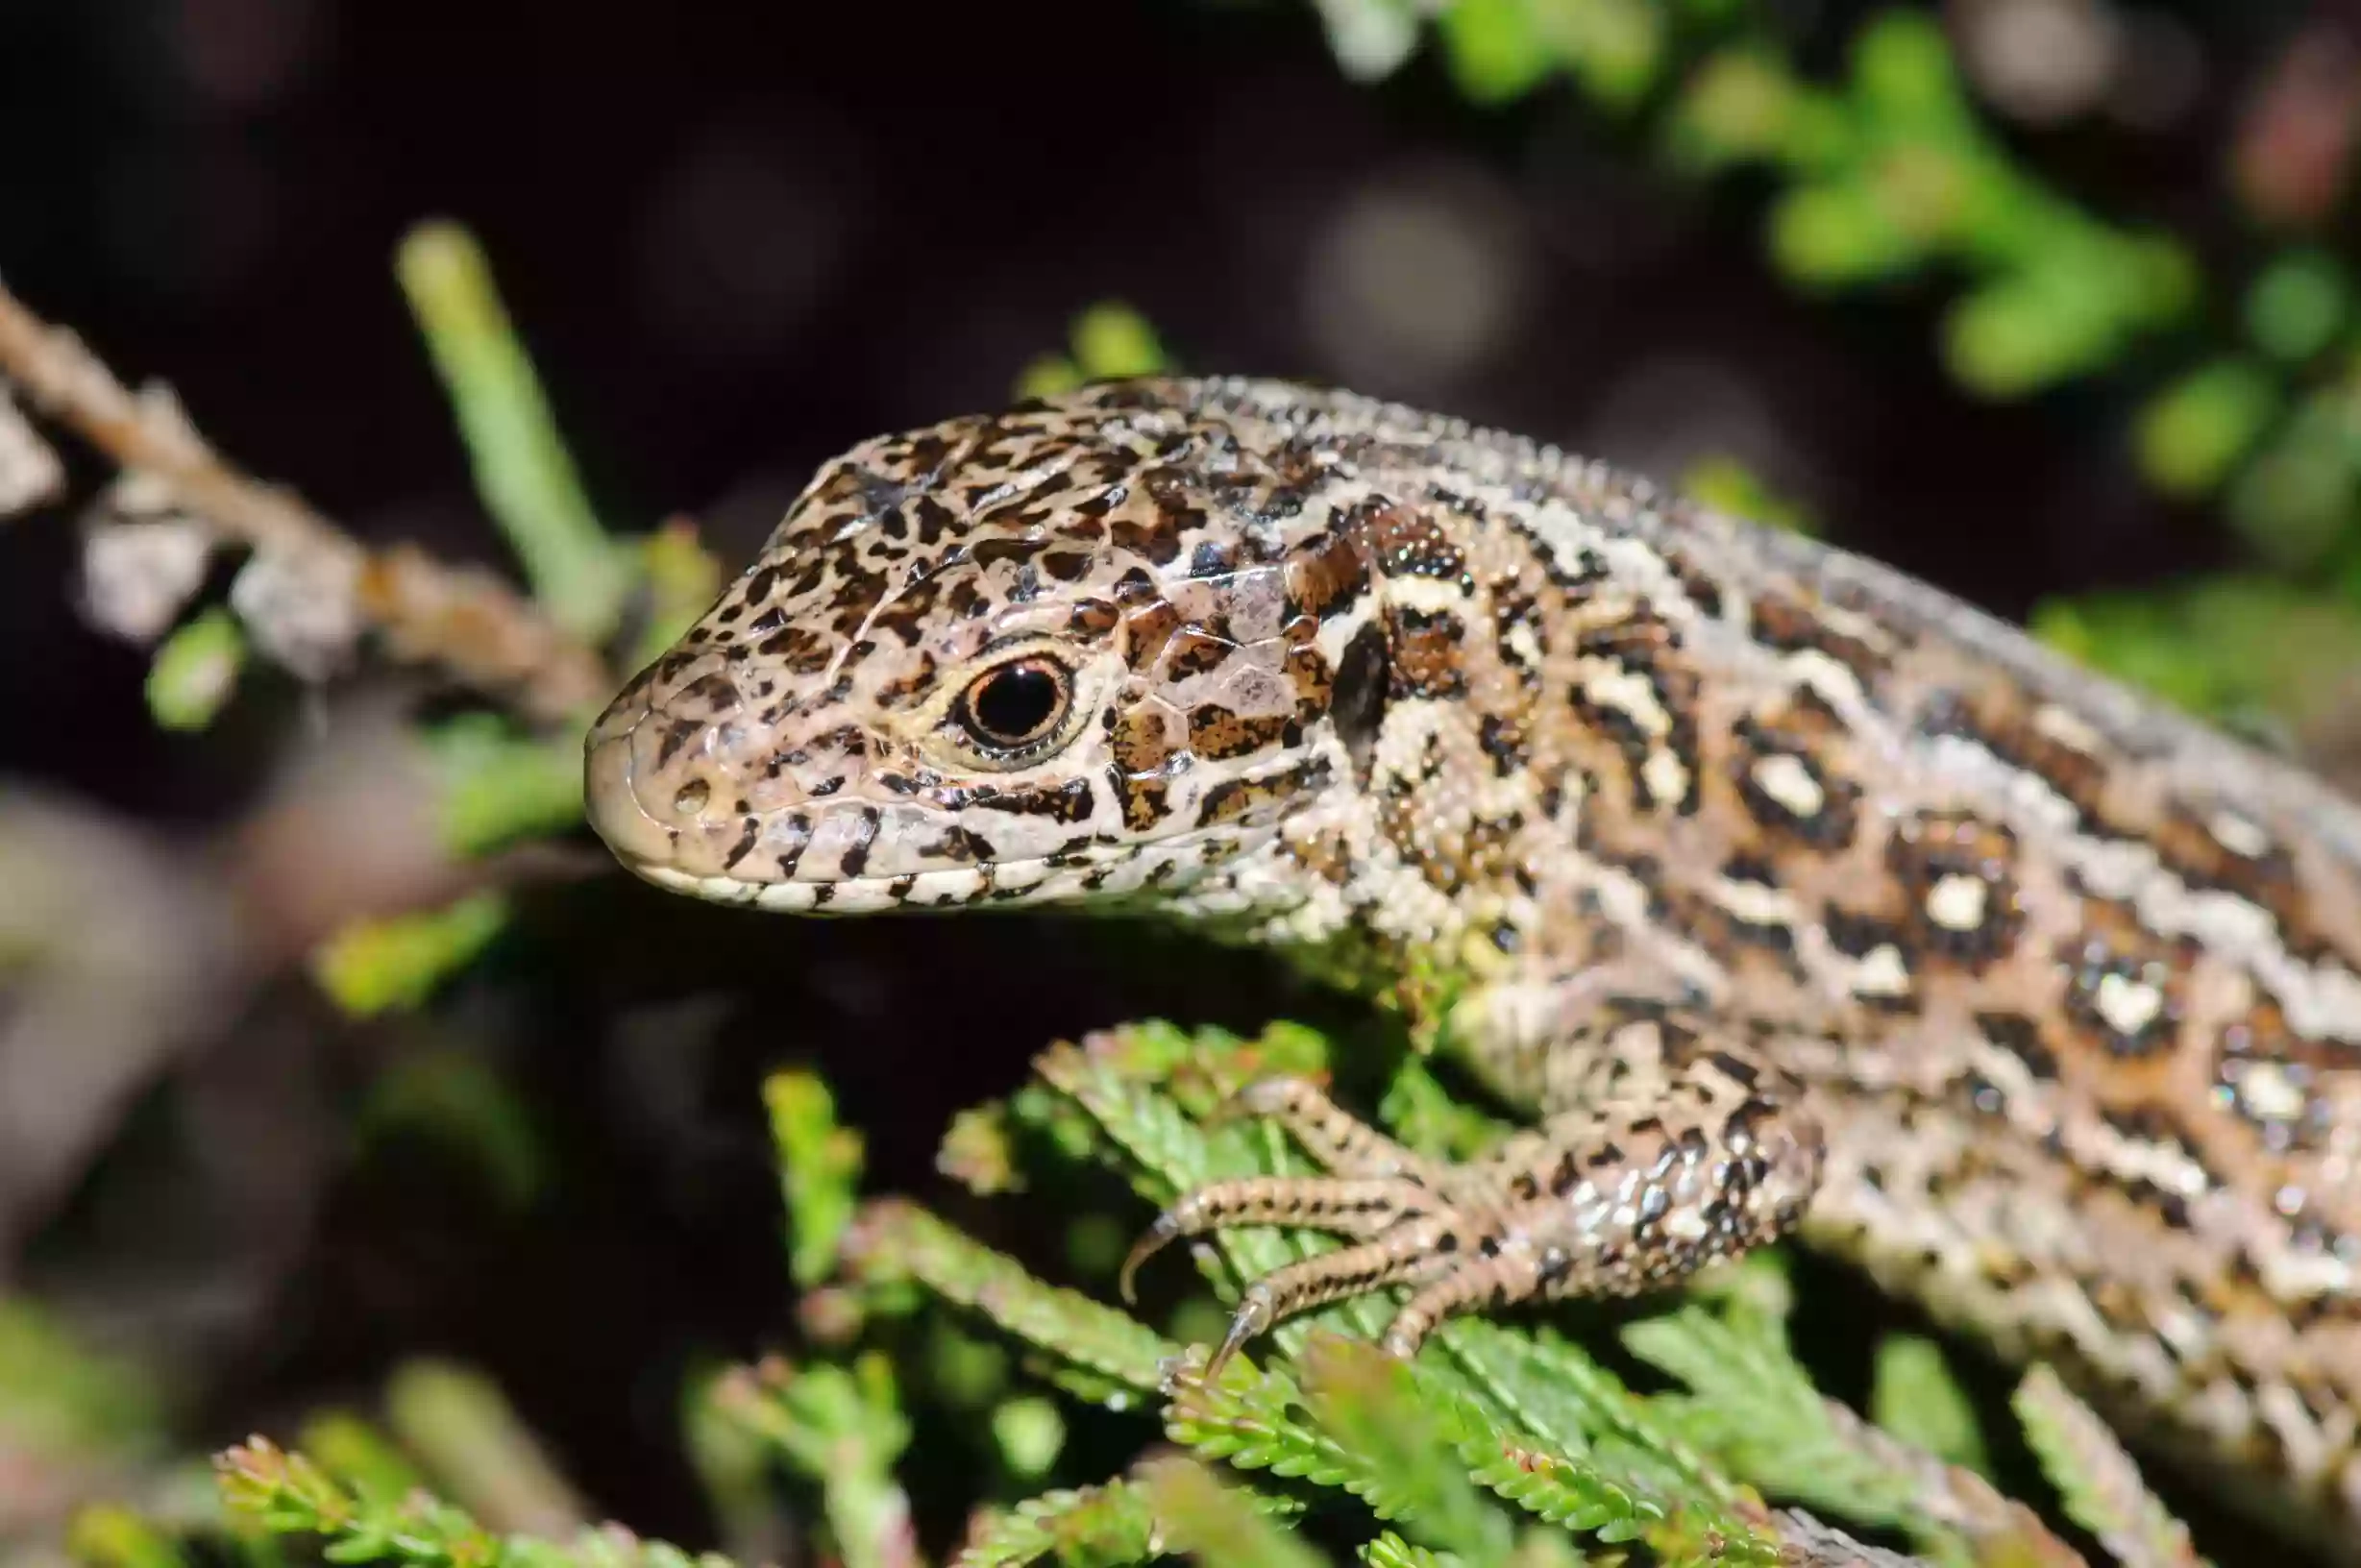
(1356, 706)
(1218, 734)
(1066, 802)
(1427, 655)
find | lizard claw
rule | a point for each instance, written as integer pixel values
(1159, 1235)
(1254, 1315)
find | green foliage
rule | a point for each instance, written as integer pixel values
(1499, 1444)
(2297, 306)
(109, 1535)
(2099, 1482)
(287, 1494)
(62, 1396)
(1109, 340)
(195, 670)
(841, 1427)
(819, 1163)
(2193, 433)
(376, 965)
(1728, 486)
(1915, 1398)
(523, 470)
(1088, 1526)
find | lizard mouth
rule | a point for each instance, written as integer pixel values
(1101, 874)
(945, 887)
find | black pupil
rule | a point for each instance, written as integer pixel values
(1013, 703)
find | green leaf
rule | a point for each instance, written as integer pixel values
(287, 1494)
(1495, 50)
(358, 1455)
(1837, 233)
(1030, 1433)
(475, 1448)
(1914, 1396)
(2097, 1478)
(1753, 1408)
(895, 1239)
(1615, 47)
(2295, 502)
(682, 577)
(2191, 434)
(1375, 1406)
(1725, 483)
(65, 1398)
(1903, 76)
(1741, 105)
(2296, 306)
(820, 1165)
(526, 476)
(109, 1535)
(1092, 1527)
(1218, 1524)
(396, 962)
(497, 785)
(1111, 340)
(842, 1427)
(195, 670)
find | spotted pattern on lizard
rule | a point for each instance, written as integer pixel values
(1790, 895)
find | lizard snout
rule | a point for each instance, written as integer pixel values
(655, 781)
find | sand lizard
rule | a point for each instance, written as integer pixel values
(1788, 893)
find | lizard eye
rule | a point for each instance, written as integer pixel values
(1017, 704)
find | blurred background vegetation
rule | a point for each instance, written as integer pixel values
(347, 1093)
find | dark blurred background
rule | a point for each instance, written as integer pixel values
(736, 238)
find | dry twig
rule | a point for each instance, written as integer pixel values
(307, 577)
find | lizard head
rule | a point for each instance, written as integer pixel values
(1088, 648)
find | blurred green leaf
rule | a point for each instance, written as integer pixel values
(2096, 1478)
(1743, 104)
(842, 1427)
(1112, 340)
(195, 670)
(109, 1535)
(1215, 1523)
(2213, 646)
(358, 1455)
(819, 1164)
(1726, 484)
(62, 1397)
(1494, 50)
(682, 577)
(475, 1448)
(1914, 1396)
(1615, 48)
(397, 962)
(498, 784)
(1837, 233)
(289, 1494)
(2297, 305)
(2295, 502)
(2194, 433)
(523, 470)
(1030, 1433)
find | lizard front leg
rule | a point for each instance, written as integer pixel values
(1667, 1144)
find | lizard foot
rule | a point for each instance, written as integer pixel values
(1629, 1193)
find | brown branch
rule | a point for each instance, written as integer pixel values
(465, 622)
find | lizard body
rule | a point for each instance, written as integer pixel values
(1789, 893)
